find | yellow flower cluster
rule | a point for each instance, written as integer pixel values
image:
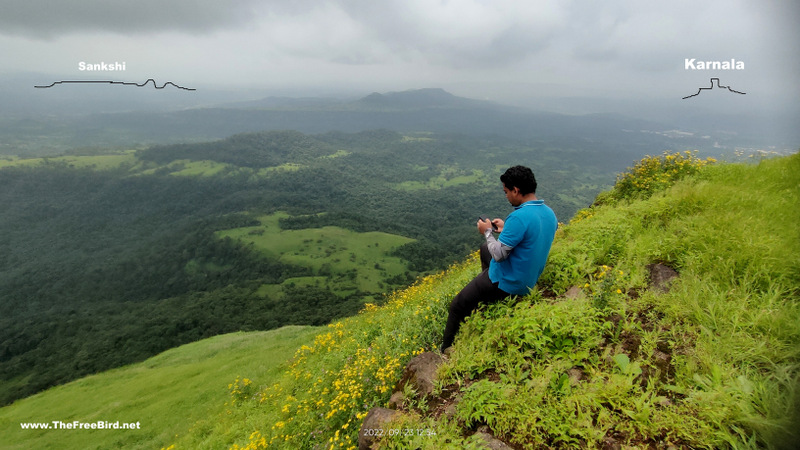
(369, 307)
(654, 173)
(605, 282)
(259, 442)
(582, 214)
(240, 390)
(353, 366)
(603, 272)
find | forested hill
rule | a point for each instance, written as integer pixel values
(110, 257)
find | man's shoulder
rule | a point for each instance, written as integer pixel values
(547, 215)
(538, 216)
(537, 209)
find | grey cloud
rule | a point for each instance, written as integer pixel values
(461, 35)
(517, 42)
(456, 34)
(657, 37)
(542, 41)
(46, 19)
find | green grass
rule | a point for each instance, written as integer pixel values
(286, 167)
(98, 162)
(350, 260)
(423, 138)
(338, 154)
(117, 160)
(183, 167)
(333, 379)
(448, 178)
(168, 393)
(275, 291)
(201, 168)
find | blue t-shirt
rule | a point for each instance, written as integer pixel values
(529, 231)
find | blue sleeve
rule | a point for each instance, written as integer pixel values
(513, 232)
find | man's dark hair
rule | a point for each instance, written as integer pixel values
(519, 177)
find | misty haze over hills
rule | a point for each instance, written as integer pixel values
(49, 121)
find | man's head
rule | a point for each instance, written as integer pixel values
(519, 177)
(519, 185)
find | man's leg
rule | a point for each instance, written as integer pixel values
(479, 290)
(486, 257)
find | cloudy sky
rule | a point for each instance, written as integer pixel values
(505, 50)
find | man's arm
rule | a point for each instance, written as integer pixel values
(497, 249)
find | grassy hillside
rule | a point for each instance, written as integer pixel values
(167, 393)
(345, 261)
(712, 363)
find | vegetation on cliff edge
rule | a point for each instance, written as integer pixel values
(713, 362)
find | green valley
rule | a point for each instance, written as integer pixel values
(341, 260)
(108, 257)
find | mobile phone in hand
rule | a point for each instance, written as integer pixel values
(484, 218)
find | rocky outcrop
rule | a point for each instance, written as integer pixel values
(661, 276)
(374, 426)
(575, 292)
(420, 373)
(491, 442)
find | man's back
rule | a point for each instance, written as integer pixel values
(529, 231)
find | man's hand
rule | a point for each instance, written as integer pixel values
(484, 225)
(498, 223)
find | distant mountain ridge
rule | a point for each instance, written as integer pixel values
(421, 98)
(428, 110)
(412, 99)
(38, 122)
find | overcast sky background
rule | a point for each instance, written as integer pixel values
(508, 51)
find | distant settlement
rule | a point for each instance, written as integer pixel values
(102, 66)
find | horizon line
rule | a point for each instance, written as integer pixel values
(126, 83)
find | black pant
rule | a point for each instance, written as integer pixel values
(479, 290)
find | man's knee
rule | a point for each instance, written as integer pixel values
(466, 300)
(486, 256)
(458, 304)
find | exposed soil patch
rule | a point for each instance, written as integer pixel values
(490, 375)
(548, 293)
(648, 320)
(630, 344)
(616, 440)
(445, 403)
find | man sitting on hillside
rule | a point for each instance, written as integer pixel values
(513, 262)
